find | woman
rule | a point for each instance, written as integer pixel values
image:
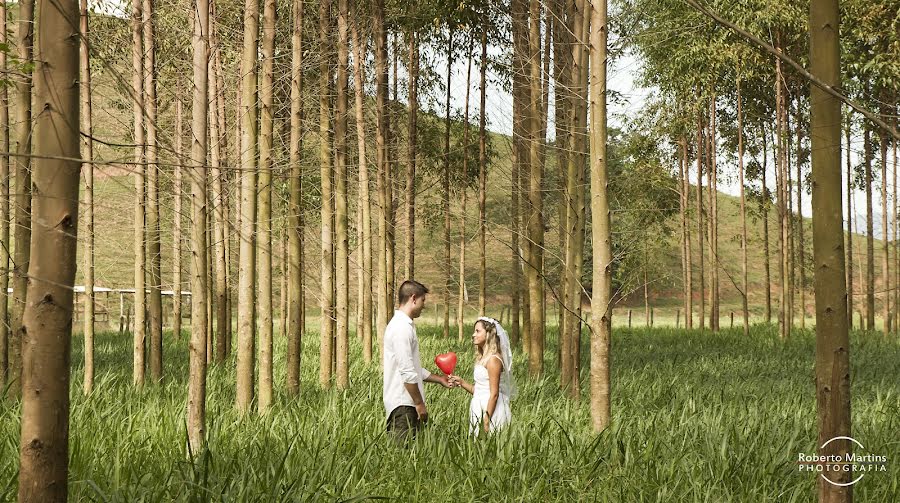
(493, 387)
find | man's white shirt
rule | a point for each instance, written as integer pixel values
(402, 363)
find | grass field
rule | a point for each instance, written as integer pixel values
(696, 417)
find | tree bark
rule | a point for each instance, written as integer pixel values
(700, 222)
(46, 342)
(140, 250)
(868, 154)
(153, 240)
(342, 267)
(382, 137)
(745, 284)
(563, 15)
(535, 196)
(4, 208)
(445, 191)
(482, 179)
(850, 219)
(177, 236)
(832, 340)
(326, 331)
(521, 135)
(781, 182)
(885, 239)
(801, 251)
(764, 207)
(686, 237)
(601, 307)
(295, 222)
(264, 191)
(196, 409)
(411, 153)
(88, 170)
(359, 45)
(218, 157)
(246, 351)
(461, 298)
(713, 176)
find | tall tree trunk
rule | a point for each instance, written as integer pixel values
(4, 208)
(561, 11)
(789, 197)
(295, 222)
(801, 251)
(342, 268)
(411, 153)
(601, 307)
(535, 195)
(713, 176)
(264, 191)
(581, 156)
(461, 298)
(700, 222)
(47, 343)
(140, 250)
(359, 46)
(832, 341)
(764, 207)
(781, 182)
(22, 161)
(686, 237)
(223, 288)
(521, 139)
(482, 179)
(745, 284)
(218, 156)
(868, 154)
(382, 137)
(713, 216)
(246, 350)
(896, 290)
(326, 331)
(153, 241)
(445, 191)
(885, 239)
(177, 237)
(196, 409)
(850, 219)
(88, 169)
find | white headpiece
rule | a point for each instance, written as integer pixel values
(507, 381)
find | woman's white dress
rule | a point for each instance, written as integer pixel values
(481, 393)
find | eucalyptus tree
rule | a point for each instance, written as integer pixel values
(47, 321)
(88, 170)
(196, 399)
(148, 18)
(4, 207)
(246, 358)
(264, 205)
(140, 185)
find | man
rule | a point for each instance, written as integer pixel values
(404, 394)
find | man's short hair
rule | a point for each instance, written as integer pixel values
(408, 289)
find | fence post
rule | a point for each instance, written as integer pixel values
(678, 318)
(629, 318)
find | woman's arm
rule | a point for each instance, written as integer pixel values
(459, 381)
(493, 367)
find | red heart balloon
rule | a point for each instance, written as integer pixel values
(446, 362)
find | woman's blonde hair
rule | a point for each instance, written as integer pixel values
(491, 344)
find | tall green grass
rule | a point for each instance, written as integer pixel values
(696, 417)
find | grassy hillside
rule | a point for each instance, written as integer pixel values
(115, 248)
